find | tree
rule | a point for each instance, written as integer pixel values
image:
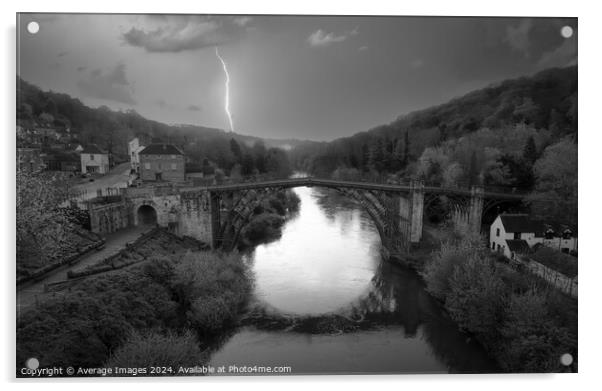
(530, 151)
(235, 148)
(476, 297)
(406, 149)
(41, 227)
(377, 155)
(259, 152)
(526, 112)
(473, 171)
(555, 195)
(248, 165)
(152, 349)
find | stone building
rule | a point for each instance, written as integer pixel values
(94, 160)
(162, 162)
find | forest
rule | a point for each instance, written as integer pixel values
(517, 135)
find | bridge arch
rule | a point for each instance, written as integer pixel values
(241, 208)
(146, 215)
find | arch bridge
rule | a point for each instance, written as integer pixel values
(396, 210)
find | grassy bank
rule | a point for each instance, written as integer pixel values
(525, 324)
(173, 302)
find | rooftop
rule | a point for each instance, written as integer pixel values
(93, 148)
(518, 246)
(520, 223)
(161, 149)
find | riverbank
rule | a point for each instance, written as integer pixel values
(525, 324)
(167, 301)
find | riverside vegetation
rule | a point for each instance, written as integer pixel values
(523, 323)
(161, 311)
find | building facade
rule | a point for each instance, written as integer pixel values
(134, 149)
(94, 160)
(514, 234)
(162, 162)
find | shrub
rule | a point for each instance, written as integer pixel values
(262, 228)
(84, 325)
(476, 297)
(534, 341)
(151, 349)
(211, 287)
(438, 270)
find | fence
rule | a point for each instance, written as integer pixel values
(560, 281)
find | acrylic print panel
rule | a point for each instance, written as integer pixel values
(285, 195)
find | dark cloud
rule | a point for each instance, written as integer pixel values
(181, 33)
(62, 54)
(112, 85)
(81, 68)
(195, 108)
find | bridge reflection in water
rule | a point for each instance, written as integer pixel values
(332, 305)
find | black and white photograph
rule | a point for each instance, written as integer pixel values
(282, 194)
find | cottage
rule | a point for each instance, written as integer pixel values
(162, 162)
(516, 234)
(94, 160)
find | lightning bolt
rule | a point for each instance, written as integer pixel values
(227, 103)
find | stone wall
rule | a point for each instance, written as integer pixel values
(195, 216)
(108, 217)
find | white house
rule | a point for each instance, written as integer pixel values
(94, 160)
(513, 234)
(134, 149)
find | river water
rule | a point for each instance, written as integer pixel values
(327, 265)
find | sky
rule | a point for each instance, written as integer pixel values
(304, 77)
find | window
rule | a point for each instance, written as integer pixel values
(497, 232)
(516, 235)
(91, 157)
(493, 245)
(174, 166)
(567, 234)
(565, 250)
(147, 166)
(499, 248)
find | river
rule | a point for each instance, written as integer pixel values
(326, 270)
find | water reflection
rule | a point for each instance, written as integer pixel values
(321, 262)
(325, 303)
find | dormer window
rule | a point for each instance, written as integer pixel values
(517, 235)
(549, 234)
(91, 157)
(567, 234)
